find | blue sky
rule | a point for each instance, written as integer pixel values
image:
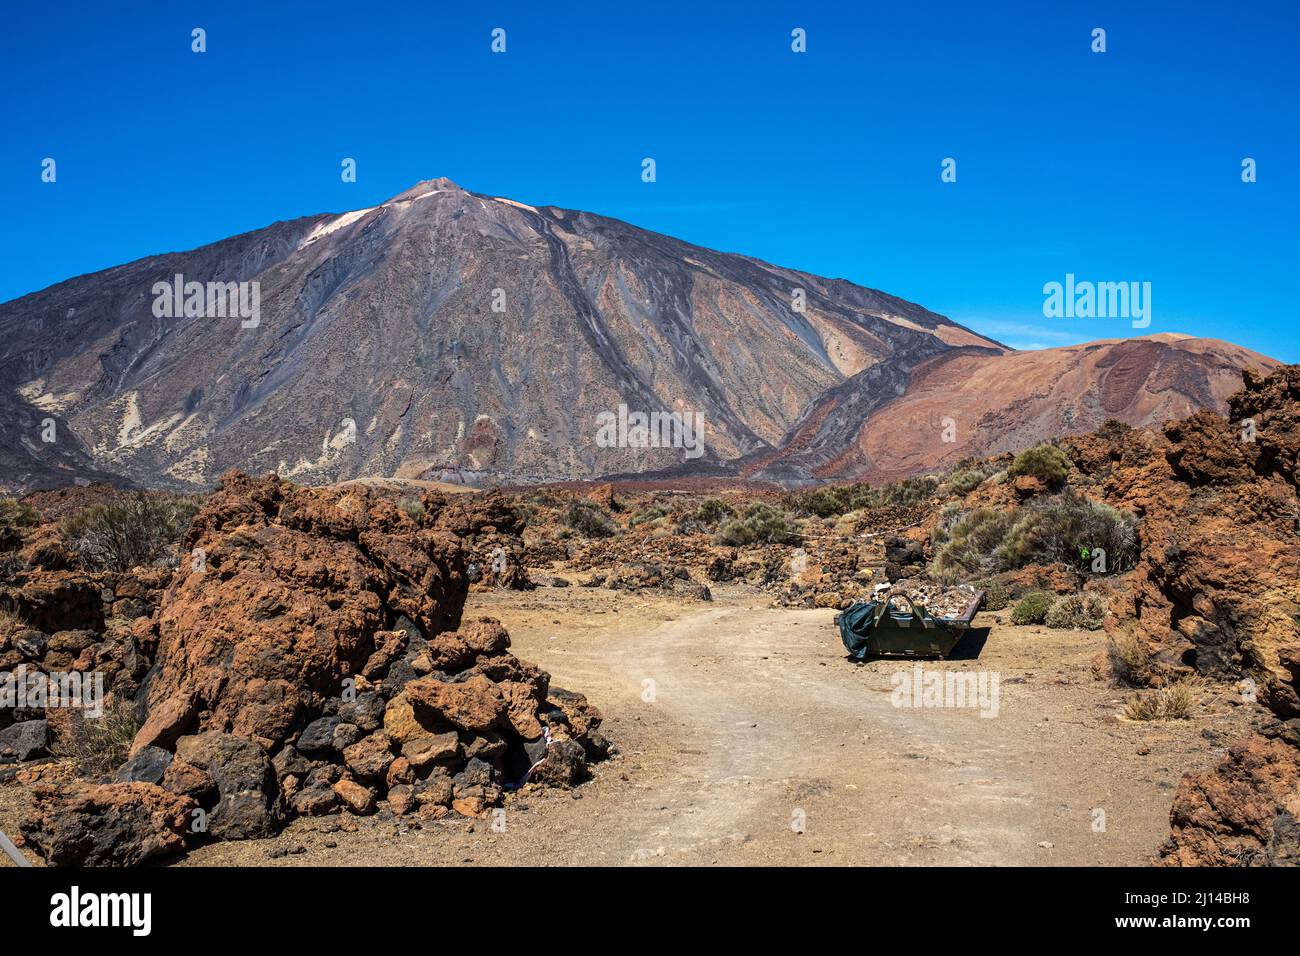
(1122, 166)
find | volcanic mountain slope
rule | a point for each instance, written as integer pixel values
(450, 335)
(973, 403)
(441, 330)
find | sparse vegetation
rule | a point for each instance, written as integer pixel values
(1070, 528)
(413, 508)
(1174, 702)
(99, 745)
(1032, 608)
(137, 529)
(1130, 664)
(759, 523)
(10, 622)
(17, 514)
(996, 596)
(705, 517)
(589, 520)
(652, 513)
(1083, 611)
(963, 481)
(832, 501)
(949, 516)
(1066, 527)
(544, 499)
(970, 546)
(1047, 463)
(828, 502)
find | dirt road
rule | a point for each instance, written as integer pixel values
(741, 725)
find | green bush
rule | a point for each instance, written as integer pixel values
(413, 508)
(17, 514)
(969, 546)
(705, 517)
(1085, 611)
(996, 596)
(1032, 608)
(963, 481)
(1066, 527)
(140, 528)
(1047, 463)
(589, 519)
(653, 513)
(831, 501)
(759, 523)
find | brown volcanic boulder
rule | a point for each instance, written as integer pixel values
(1245, 812)
(248, 796)
(1281, 695)
(1272, 402)
(1217, 587)
(1206, 449)
(295, 587)
(468, 516)
(120, 824)
(475, 704)
(56, 600)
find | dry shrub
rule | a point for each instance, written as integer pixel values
(1130, 663)
(647, 515)
(589, 520)
(705, 517)
(141, 528)
(413, 508)
(10, 623)
(1085, 611)
(1067, 528)
(996, 595)
(99, 745)
(1174, 702)
(832, 501)
(759, 523)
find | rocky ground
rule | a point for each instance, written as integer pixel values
(756, 717)
(307, 657)
(330, 676)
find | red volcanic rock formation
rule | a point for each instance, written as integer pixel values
(308, 662)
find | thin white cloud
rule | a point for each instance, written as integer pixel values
(1024, 331)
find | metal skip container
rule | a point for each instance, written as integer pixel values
(884, 628)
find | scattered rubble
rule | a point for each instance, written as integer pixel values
(311, 660)
(938, 600)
